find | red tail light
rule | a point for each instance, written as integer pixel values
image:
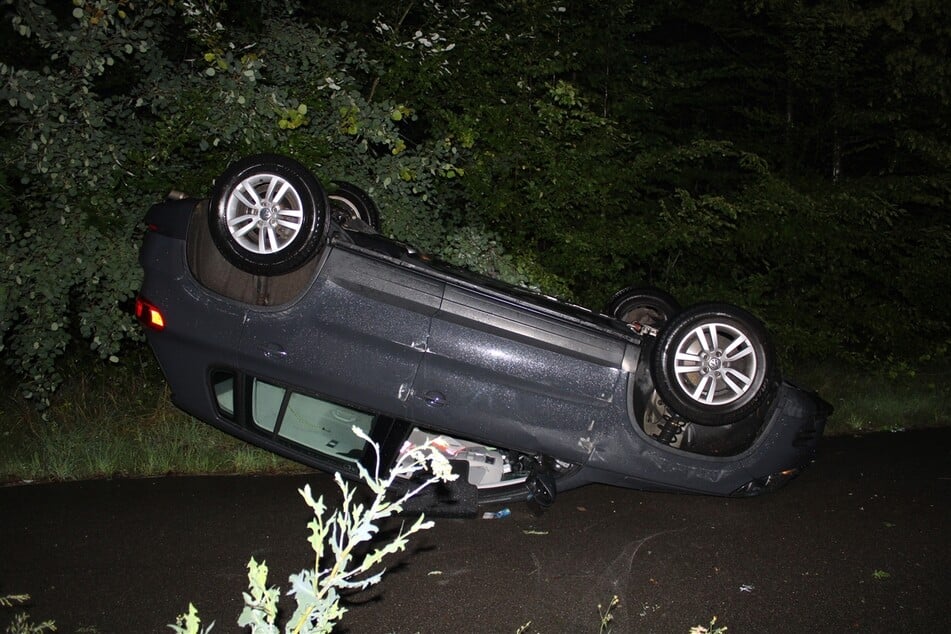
(149, 314)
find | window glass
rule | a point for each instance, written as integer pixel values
(304, 420)
(223, 385)
(266, 404)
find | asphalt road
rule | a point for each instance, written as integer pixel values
(859, 543)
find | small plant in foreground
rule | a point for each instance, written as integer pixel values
(335, 540)
(21, 621)
(708, 629)
(606, 615)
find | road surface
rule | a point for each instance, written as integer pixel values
(859, 543)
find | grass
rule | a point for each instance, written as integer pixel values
(118, 420)
(869, 401)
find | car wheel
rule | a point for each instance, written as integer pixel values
(267, 214)
(350, 201)
(646, 306)
(713, 364)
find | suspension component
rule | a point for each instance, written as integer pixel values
(670, 429)
(643, 329)
(541, 482)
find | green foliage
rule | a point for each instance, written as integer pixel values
(712, 628)
(21, 623)
(190, 622)
(339, 541)
(790, 158)
(106, 108)
(607, 615)
(116, 419)
(480, 251)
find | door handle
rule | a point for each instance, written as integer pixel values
(272, 350)
(434, 399)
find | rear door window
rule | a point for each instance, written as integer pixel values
(319, 426)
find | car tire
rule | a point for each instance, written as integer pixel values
(267, 214)
(643, 305)
(349, 201)
(713, 364)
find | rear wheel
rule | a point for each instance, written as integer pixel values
(713, 364)
(267, 214)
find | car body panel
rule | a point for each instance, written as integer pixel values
(328, 338)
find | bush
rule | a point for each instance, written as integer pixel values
(109, 104)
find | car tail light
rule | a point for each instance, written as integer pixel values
(149, 314)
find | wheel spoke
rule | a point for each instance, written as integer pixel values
(290, 218)
(272, 237)
(245, 229)
(741, 346)
(686, 369)
(237, 220)
(701, 339)
(686, 356)
(728, 377)
(271, 185)
(254, 201)
(744, 378)
(293, 226)
(701, 386)
(262, 237)
(280, 194)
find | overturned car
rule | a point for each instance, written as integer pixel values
(280, 315)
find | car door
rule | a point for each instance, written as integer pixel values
(499, 371)
(355, 337)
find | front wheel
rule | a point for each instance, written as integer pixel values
(349, 201)
(713, 364)
(267, 214)
(643, 305)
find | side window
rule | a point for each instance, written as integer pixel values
(323, 427)
(223, 384)
(266, 404)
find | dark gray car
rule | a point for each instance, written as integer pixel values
(280, 315)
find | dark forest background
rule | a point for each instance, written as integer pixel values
(790, 157)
